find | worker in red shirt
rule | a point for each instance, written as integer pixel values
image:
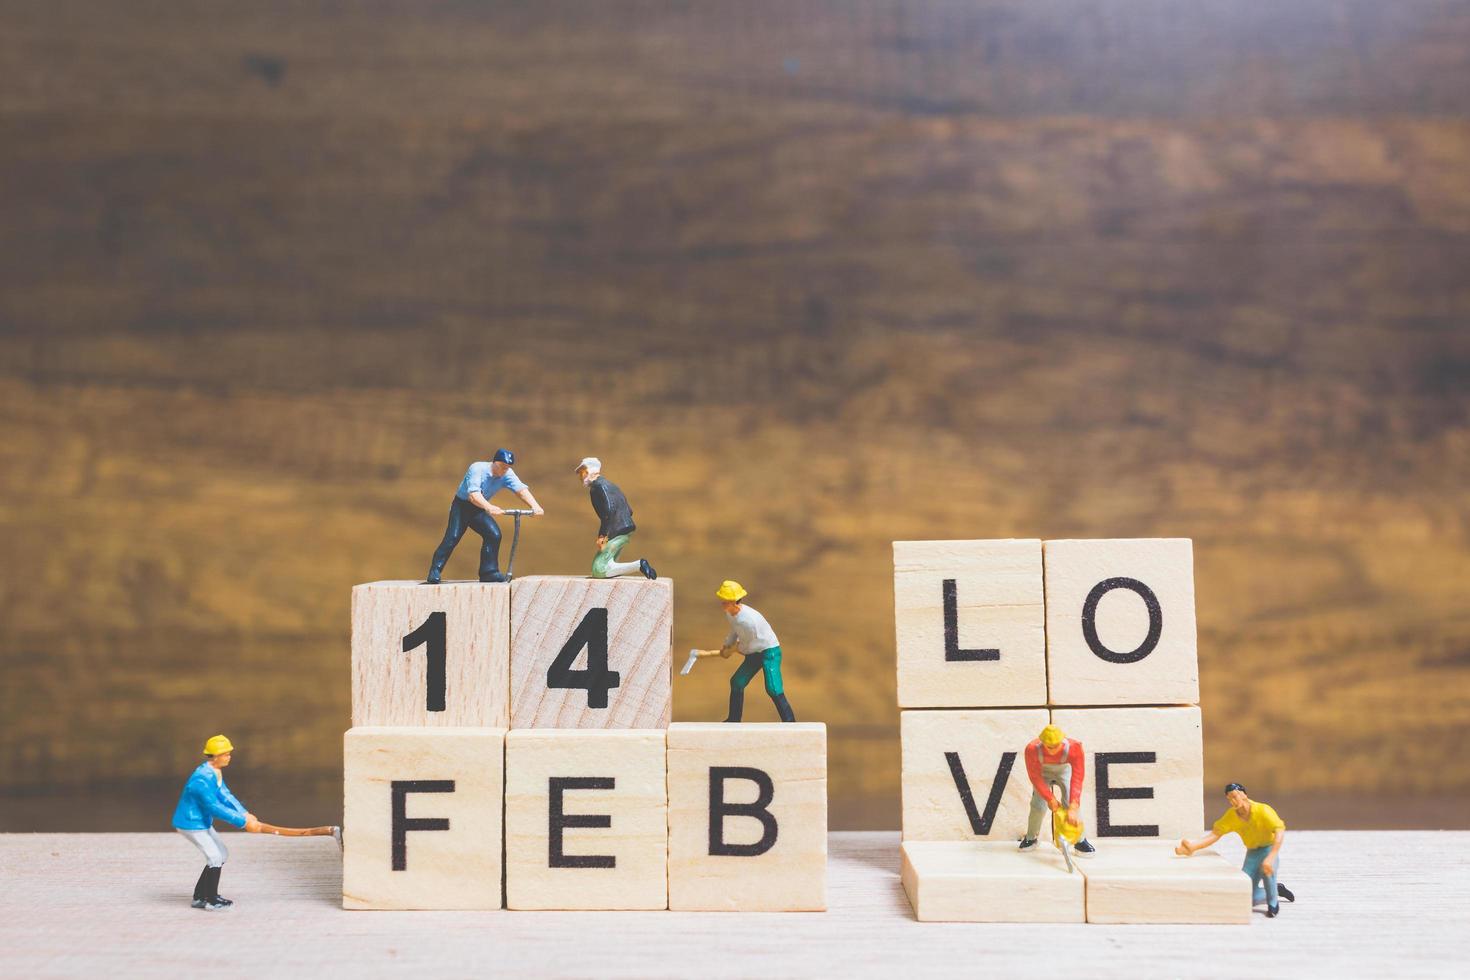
(1053, 760)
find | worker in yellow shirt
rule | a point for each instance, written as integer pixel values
(1262, 832)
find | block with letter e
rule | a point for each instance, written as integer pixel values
(963, 774)
(431, 654)
(590, 653)
(1120, 623)
(421, 824)
(969, 622)
(748, 817)
(1144, 770)
(586, 819)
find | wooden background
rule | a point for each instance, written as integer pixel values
(810, 276)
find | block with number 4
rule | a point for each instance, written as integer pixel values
(431, 654)
(591, 653)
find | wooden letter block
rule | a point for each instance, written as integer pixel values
(1145, 770)
(591, 653)
(1144, 881)
(1120, 622)
(963, 774)
(969, 622)
(431, 654)
(748, 817)
(586, 819)
(990, 881)
(421, 824)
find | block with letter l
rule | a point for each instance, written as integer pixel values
(586, 819)
(421, 824)
(969, 623)
(431, 654)
(748, 817)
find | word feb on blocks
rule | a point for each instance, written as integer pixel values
(997, 639)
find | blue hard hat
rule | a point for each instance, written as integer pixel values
(504, 456)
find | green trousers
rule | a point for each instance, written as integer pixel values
(609, 554)
(767, 662)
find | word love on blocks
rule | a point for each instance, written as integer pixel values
(542, 651)
(703, 816)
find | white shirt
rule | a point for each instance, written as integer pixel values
(750, 631)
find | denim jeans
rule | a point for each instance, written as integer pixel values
(1264, 884)
(463, 516)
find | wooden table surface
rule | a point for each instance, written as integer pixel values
(1369, 904)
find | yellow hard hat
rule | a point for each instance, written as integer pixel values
(731, 591)
(218, 745)
(1051, 736)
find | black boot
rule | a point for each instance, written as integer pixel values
(218, 898)
(1285, 892)
(737, 704)
(783, 708)
(201, 888)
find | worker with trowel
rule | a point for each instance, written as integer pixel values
(752, 637)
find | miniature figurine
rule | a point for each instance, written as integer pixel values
(471, 508)
(1053, 760)
(206, 799)
(617, 524)
(1262, 832)
(753, 637)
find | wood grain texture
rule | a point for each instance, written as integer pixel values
(1145, 881)
(389, 683)
(990, 881)
(637, 806)
(1171, 738)
(547, 610)
(816, 276)
(791, 874)
(999, 605)
(132, 890)
(1167, 668)
(932, 806)
(454, 867)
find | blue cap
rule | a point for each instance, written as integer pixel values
(504, 456)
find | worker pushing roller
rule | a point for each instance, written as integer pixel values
(751, 636)
(471, 509)
(206, 799)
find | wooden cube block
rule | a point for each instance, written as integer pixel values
(1120, 622)
(421, 824)
(1144, 881)
(748, 817)
(963, 775)
(586, 819)
(968, 616)
(990, 881)
(431, 654)
(591, 653)
(1145, 770)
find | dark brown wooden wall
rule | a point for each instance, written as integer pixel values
(810, 276)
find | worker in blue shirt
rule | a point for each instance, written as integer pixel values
(206, 799)
(472, 509)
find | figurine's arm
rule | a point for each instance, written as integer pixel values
(478, 499)
(1079, 773)
(1268, 866)
(1187, 847)
(525, 494)
(215, 804)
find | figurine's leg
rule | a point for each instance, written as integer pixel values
(771, 669)
(484, 525)
(214, 853)
(738, 680)
(224, 855)
(606, 565)
(1038, 811)
(452, 533)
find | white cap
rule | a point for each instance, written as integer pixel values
(591, 462)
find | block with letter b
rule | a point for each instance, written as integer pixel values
(1144, 770)
(421, 824)
(969, 620)
(963, 775)
(434, 655)
(591, 653)
(586, 819)
(748, 817)
(1120, 623)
